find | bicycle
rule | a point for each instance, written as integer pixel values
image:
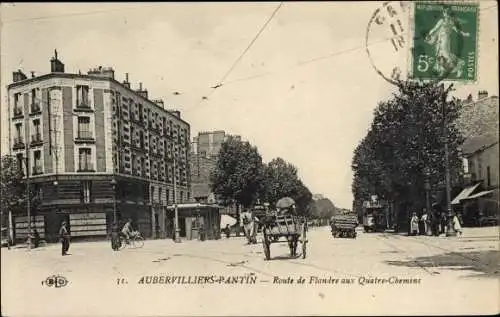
(135, 241)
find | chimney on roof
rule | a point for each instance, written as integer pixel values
(482, 94)
(56, 66)
(141, 92)
(159, 102)
(126, 82)
(33, 74)
(18, 76)
(106, 72)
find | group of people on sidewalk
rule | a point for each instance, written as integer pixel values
(433, 223)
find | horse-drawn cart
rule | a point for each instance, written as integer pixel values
(344, 226)
(292, 228)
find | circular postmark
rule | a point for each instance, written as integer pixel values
(429, 42)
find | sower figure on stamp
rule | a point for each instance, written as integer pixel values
(64, 236)
(440, 38)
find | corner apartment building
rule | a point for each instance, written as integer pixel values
(93, 142)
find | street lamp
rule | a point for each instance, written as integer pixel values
(28, 205)
(177, 237)
(113, 184)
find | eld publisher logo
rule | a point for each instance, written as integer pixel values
(56, 281)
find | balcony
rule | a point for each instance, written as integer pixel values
(86, 167)
(18, 144)
(18, 113)
(36, 139)
(83, 106)
(37, 170)
(84, 137)
(35, 109)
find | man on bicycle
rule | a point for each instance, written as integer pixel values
(127, 230)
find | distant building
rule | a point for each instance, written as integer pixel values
(208, 144)
(80, 132)
(479, 199)
(204, 151)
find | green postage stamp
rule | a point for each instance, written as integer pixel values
(445, 41)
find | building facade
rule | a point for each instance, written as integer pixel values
(479, 199)
(93, 143)
(208, 144)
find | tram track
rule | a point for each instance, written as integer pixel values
(408, 256)
(474, 260)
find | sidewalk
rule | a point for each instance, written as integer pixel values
(474, 232)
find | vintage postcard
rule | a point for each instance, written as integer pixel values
(249, 158)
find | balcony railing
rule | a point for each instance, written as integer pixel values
(84, 136)
(36, 139)
(37, 170)
(18, 112)
(35, 108)
(86, 167)
(18, 143)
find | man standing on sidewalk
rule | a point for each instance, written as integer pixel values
(64, 236)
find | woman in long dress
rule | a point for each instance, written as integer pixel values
(414, 224)
(440, 37)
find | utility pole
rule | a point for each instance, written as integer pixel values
(28, 205)
(176, 210)
(450, 230)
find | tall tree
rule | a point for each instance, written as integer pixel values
(280, 179)
(238, 174)
(406, 138)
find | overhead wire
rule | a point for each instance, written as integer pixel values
(254, 39)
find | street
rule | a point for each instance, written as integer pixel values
(422, 275)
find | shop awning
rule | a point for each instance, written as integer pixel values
(464, 194)
(480, 194)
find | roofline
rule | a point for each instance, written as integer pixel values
(476, 101)
(92, 77)
(480, 149)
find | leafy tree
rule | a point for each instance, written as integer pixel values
(238, 173)
(280, 179)
(323, 209)
(13, 188)
(406, 138)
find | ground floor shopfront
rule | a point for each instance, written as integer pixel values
(84, 222)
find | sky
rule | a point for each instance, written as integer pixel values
(305, 90)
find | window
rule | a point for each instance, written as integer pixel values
(141, 114)
(167, 195)
(35, 105)
(159, 195)
(85, 159)
(85, 191)
(36, 130)
(18, 110)
(182, 197)
(488, 176)
(82, 96)
(37, 162)
(20, 163)
(84, 128)
(141, 139)
(19, 133)
(143, 167)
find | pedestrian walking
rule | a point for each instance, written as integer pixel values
(64, 236)
(456, 224)
(414, 224)
(115, 237)
(425, 221)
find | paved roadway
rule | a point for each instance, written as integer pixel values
(449, 275)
